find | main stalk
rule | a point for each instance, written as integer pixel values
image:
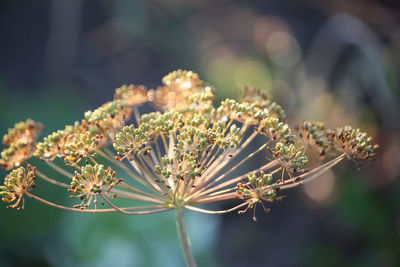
(184, 238)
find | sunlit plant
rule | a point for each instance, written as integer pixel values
(183, 155)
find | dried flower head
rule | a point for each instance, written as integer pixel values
(131, 140)
(179, 87)
(197, 104)
(90, 182)
(290, 158)
(109, 117)
(261, 100)
(81, 146)
(52, 146)
(132, 95)
(314, 135)
(244, 112)
(187, 154)
(20, 141)
(182, 80)
(354, 143)
(256, 189)
(16, 184)
(27, 132)
(276, 130)
(156, 123)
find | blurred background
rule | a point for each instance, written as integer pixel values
(335, 61)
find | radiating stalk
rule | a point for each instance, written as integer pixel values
(184, 238)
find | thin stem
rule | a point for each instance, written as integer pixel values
(133, 189)
(112, 159)
(85, 210)
(59, 169)
(219, 165)
(235, 180)
(204, 187)
(133, 212)
(216, 211)
(130, 195)
(50, 180)
(222, 197)
(184, 238)
(311, 175)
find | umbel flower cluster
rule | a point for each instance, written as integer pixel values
(185, 153)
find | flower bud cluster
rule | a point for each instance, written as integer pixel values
(20, 143)
(276, 130)
(91, 181)
(109, 117)
(242, 112)
(182, 80)
(198, 121)
(191, 141)
(197, 104)
(231, 139)
(156, 123)
(52, 146)
(179, 87)
(314, 134)
(16, 184)
(27, 131)
(81, 146)
(254, 188)
(182, 166)
(261, 100)
(132, 140)
(132, 95)
(289, 158)
(55, 144)
(354, 143)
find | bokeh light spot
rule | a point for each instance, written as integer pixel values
(253, 73)
(283, 49)
(320, 190)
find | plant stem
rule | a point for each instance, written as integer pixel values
(184, 238)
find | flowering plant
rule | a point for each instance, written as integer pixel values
(179, 157)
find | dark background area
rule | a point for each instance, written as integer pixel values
(335, 61)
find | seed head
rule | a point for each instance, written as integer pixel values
(27, 132)
(354, 143)
(289, 158)
(131, 140)
(109, 117)
(20, 143)
(90, 182)
(179, 87)
(81, 145)
(276, 130)
(256, 189)
(261, 100)
(16, 184)
(132, 95)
